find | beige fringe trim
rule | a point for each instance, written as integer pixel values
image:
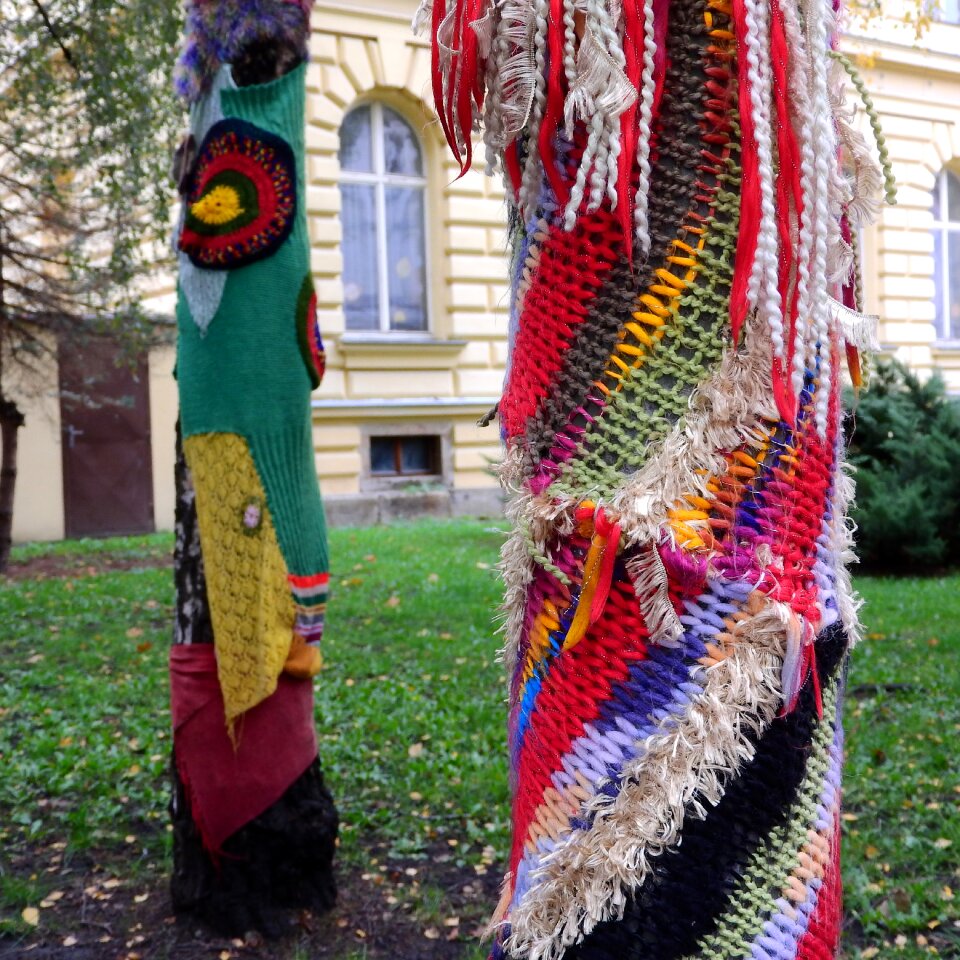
(841, 547)
(857, 329)
(588, 879)
(725, 412)
(651, 585)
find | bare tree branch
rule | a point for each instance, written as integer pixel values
(53, 33)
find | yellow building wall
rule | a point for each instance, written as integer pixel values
(38, 512)
(915, 86)
(453, 375)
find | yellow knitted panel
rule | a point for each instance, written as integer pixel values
(250, 602)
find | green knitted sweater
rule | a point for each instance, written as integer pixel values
(247, 375)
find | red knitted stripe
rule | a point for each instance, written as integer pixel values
(312, 580)
(572, 693)
(571, 268)
(801, 515)
(568, 556)
(822, 938)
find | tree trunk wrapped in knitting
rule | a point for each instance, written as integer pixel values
(255, 826)
(684, 185)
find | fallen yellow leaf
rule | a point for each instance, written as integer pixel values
(31, 915)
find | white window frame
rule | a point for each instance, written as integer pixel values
(379, 179)
(946, 229)
(948, 12)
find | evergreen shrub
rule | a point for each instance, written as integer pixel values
(904, 440)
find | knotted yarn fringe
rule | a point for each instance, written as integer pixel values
(566, 97)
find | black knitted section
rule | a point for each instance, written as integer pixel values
(691, 887)
(677, 146)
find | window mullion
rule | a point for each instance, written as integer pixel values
(382, 267)
(951, 289)
(379, 164)
(945, 286)
(941, 291)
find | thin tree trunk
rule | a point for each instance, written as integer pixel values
(11, 420)
(280, 859)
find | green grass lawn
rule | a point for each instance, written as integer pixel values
(410, 710)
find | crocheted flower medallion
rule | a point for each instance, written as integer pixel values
(252, 517)
(219, 206)
(308, 333)
(240, 197)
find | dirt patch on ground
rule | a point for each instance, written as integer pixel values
(86, 565)
(101, 909)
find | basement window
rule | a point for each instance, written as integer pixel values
(399, 456)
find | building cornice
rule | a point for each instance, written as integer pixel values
(371, 407)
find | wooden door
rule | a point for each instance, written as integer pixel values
(105, 419)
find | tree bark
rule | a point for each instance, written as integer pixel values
(282, 858)
(11, 420)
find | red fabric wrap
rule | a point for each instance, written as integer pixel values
(228, 786)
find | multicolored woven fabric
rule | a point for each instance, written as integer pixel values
(683, 186)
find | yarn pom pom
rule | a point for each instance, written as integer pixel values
(216, 31)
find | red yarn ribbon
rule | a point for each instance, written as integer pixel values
(749, 184)
(789, 198)
(597, 576)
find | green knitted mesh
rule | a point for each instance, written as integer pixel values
(654, 396)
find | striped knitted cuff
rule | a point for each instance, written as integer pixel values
(310, 600)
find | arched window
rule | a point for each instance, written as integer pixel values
(948, 11)
(946, 254)
(383, 215)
